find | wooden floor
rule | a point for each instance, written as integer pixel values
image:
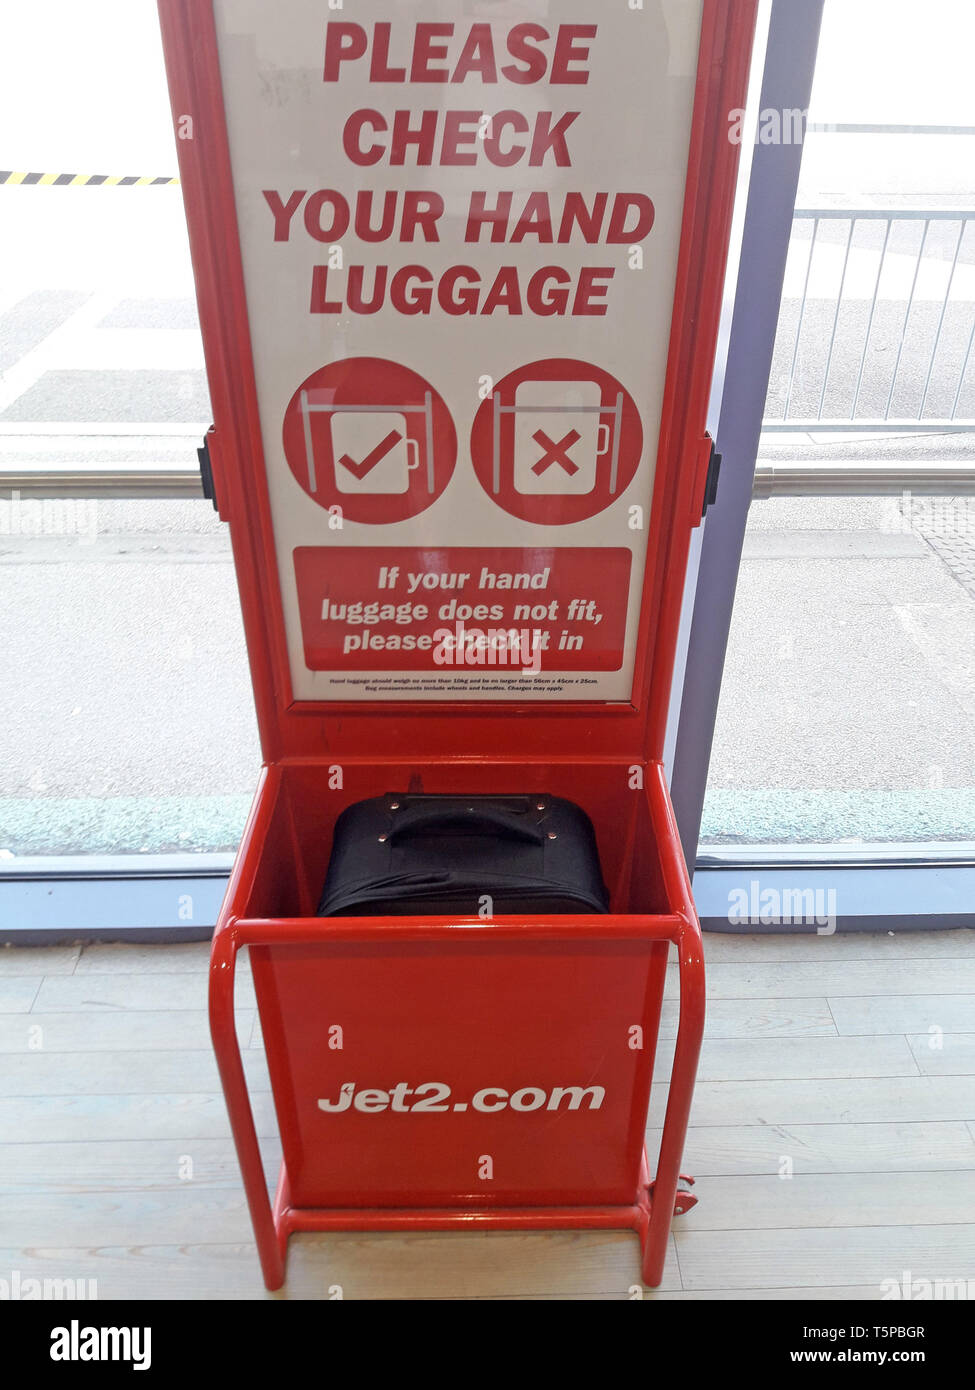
(847, 1062)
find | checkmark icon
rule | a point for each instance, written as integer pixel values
(375, 456)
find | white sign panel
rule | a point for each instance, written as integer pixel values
(460, 224)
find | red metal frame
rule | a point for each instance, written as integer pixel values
(504, 745)
(654, 1202)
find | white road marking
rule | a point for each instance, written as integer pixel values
(37, 429)
(65, 343)
(143, 349)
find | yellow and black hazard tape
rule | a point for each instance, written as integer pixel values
(79, 180)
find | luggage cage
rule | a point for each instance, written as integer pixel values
(656, 1199)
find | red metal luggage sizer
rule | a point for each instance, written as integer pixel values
(467, 579)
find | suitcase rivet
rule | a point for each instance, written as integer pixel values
(382, 838)
(394, 805)
(539, 805)
(552, 835)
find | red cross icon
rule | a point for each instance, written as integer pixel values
(597, 460)
(556, 453)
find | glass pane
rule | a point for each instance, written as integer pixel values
(98, 326)
(846, 710)
(128, 720)
(847, 707)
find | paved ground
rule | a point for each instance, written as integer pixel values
(849, 691)
(847, 710)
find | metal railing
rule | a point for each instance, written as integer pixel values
(877, 325)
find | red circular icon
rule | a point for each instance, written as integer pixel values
(371, 437)
(556, 441)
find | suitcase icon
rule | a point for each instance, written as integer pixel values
(557, 438)
(373, 453)
(558, 445)
(376, 449)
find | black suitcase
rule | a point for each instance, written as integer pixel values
(407, 855)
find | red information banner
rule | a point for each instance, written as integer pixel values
(382, 608)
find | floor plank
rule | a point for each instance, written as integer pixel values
(860, 1293)
(856, 945)
(866, 1255)
(128, 1164)
(863, 1100)
(747, 1059)
(904, 1013)
(129, 958)
(817, 1200)
(28, 960)
(831, 977)
(124, 1073)
(18, 992)
(148, 990)
(191, 1213)
(948, 1054)
(757, 1018)
(135, 1030)
(838, 1148)
(56, 1119)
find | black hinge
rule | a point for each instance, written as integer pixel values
(711, 480)
(206, 474)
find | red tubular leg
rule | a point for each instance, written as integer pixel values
(223, 1030)
(690, 1032)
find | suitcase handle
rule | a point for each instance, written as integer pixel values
(474, 820)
